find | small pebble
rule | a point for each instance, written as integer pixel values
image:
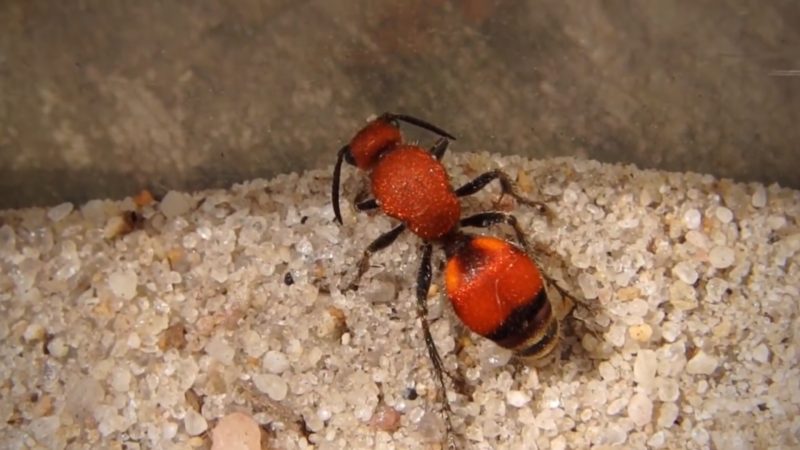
(657, 440)
(169, 430)
(668, 389)
(682, 296)
(385, 418)
(721, 257)
(640, 409)
(83, 397)
(123, 284)
(614, 435)
(118, 225)
(236, 431)
(641, 333)
(120, 380)
(697, 239)
(558, 443)
(644, 368)
(173, 337)
(517, 399)
(685, 271)
(759, 199)
(175, 204)
(616, 406)
(723, 214)
(670, 331)
(628, 293)
(133, 341)
(43, 406)
(219, 349)
(57, 347)
(59, 212)
(275, 362)
(194, 423)
(314, 423)
(607, 371)
(701, 364)
(94, 211)
(44, 427)
(692, 218)
(588, 284)
(494, 357)
(272, 385)
(700, 436)
(776, 222)
(33, 332)
(761, 353)
(143, 198)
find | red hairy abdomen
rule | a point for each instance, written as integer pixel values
(487, 280)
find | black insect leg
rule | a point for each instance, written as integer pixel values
(593, 307)
(487, 219)
(439, 148)
(423, 285)
(507, 186)
(383, 241)
(343, 155)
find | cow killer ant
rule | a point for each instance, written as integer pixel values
(495, 286)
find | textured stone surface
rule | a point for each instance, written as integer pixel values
(196, 95)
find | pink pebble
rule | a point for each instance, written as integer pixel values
(236, 431)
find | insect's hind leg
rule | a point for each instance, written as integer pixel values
(383, 241)
(423, 285)
(487, 219)
(506, 184)
(439, 148)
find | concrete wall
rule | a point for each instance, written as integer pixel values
(101, 99)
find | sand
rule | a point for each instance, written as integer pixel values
(144, 333)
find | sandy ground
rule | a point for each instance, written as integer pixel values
(229, 300)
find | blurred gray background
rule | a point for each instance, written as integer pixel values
(103, 98)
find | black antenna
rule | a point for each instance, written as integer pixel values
(337, 172)
(420, 123)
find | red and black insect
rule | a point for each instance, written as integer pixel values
(495, 287)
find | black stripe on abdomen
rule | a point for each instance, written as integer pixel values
(546, 342)
(524, 322)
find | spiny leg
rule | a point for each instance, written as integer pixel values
(383, 241)
(487, 219)
(540, 248)
(343, 155)
(507, 186)
(439, 148)
(570, 310)
(423, 285)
